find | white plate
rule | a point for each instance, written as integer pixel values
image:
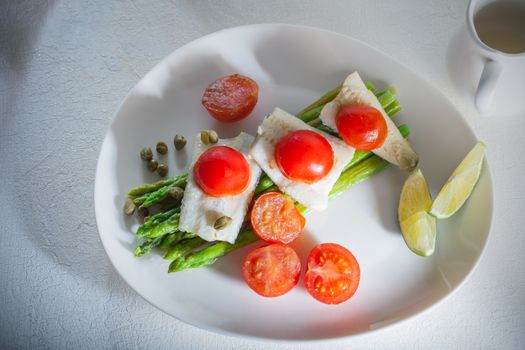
(293, 66)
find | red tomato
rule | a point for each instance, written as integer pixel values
(231, 98)
(222, 171)
(332, 274)
(275, 219)
(272, 270)
(362, 127)
(304, 155)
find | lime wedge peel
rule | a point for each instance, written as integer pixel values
(417, 225)
(460, 184)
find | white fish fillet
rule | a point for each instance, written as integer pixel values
(200, 211)
(273, 128)
(396, 149)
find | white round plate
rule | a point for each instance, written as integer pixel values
(293, 66)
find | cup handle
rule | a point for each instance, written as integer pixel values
(487, 84)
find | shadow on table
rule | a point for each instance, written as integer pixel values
(20, 25)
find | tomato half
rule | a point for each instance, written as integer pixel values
(362, 127)
(276, 219)
(222, 171)
(332, 274)
(231, 98)
(272, 270)
(304, 155)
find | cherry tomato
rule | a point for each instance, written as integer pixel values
(231, 98)
(362, 127)
(275, 219)
(272, 270)
(222, 171)
(304, 155)
(332, 274)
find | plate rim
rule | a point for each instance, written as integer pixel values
(368, 332)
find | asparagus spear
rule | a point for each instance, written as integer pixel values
(183, 247)
(145, 229)
(147, 188)
(393, 108)
(211, 253)
(169, 226)
(147, 246)
(311, 114)
(160, 194)
(329, 96)
(169, 239)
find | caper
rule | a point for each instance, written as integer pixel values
(222, 222)
(152, 165)
(162, 148)
(162, 170)
(205, 137)
(209, 137)
(129, 207)
(213, 137)
(179, 142)
(176, 193)
(146, 154)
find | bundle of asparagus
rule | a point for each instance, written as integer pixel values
(186, 250)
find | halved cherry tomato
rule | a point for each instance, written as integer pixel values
(304, 155)
(362, 127)
(222, 171)
(276, 219)
(231, 98)
(332, 274)
(272, 270)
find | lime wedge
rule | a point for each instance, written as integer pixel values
(418, 227)
(460, 184)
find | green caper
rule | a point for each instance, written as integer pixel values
(162, 148)
(152, 165)
(179, 142)
(222, 222)
(129, 207)
(176, 193)
(213, 137)
(205, 137)
(146, 154)
(162, 170)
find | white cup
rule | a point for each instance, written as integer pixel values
(501, 87)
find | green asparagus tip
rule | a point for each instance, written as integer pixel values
(404, 130)
(138, 251)
(175, 266)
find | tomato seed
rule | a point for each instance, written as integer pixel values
(267, 217)
(258, 264)
(286, 208)
(343, 285)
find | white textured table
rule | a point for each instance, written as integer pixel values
(64, 68)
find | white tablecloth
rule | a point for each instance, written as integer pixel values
(65, 66)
